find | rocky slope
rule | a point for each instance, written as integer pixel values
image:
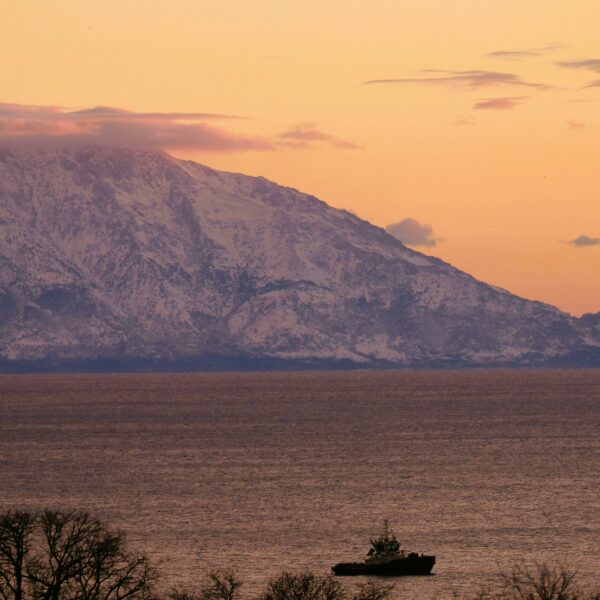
(130, 259)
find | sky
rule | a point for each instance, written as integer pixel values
(470, 128)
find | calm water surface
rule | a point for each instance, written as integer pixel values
(273, 471)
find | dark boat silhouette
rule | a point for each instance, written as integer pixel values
(386, 558)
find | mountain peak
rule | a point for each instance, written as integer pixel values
(137, 258)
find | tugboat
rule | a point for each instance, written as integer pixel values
(386, 558)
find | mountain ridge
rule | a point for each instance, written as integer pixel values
(122, 257)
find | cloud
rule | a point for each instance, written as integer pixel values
(412, 233)
(30, 125)
(463, 79)
(57, 113)
(305, 135)
(101, 125)
(528, 53)
(464, 120)
(506, 103)
(590, 64)
(592, 84)
(576, 125)
(110, 112)
(584, 241)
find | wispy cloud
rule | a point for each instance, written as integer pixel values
(41, 125)
(29, 125)
(462, 79)
(584, 241)
(102, 112)
(309, 135)
(109, 112)
(411, 232)
(528, 53)
(593, 84)
(576, 125)
(506, 103)
(590, 64)
(586, 64)
(464, 120)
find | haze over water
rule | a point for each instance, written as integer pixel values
(272, 471)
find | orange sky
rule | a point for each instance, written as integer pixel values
(505, 187)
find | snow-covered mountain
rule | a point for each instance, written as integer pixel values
(130, 259)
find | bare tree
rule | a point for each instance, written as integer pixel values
(62, 555)
(544, 583)
(108, 572)
(68, 556)
(539, 583)
(305, 586)
(16, 532)
(373, 590)
(220, 585)
(183, 593)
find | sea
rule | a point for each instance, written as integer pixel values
(295, 471)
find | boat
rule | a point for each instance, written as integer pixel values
(386, 558)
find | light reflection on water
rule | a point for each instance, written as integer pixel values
(273, 471)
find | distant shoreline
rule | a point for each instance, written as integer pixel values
(219, 364)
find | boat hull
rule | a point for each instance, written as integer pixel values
(408, 565)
